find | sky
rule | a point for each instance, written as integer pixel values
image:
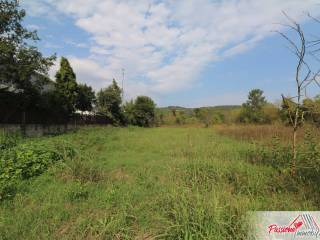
(179, 52)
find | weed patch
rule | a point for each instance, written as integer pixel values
(27, 160)
(78, 193)
(77, 169)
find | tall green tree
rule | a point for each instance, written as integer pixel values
(85, 98)
(252, 110)
(66, 84)
(109, 103)
(19, 59)
(144, 111)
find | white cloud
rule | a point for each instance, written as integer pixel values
(75, 44)
(33, 27)
(164, 45)
(87, 70)
(51, 45)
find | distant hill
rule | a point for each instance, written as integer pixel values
(172, 115)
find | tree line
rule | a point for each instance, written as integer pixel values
(28, 95)
(256, 110)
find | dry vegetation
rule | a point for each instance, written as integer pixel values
(263, 133)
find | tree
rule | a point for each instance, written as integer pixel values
(66, 84)
(144, 111)
(252, 110)
(128, 110)
(85, 98)
(197, 112)
(19, 60)
(109, 103)
(52, 108)
(311, 108)
(288, 107)
(181, 117)
(204, 116)
(304, 76)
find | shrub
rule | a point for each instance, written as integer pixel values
(308, 168)
(27, 160)
(141, 112)
(279, 156)
(276, 155)
(8, 140)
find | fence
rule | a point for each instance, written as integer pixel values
(30, 125)
(36, 130)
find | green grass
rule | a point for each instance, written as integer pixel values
(158, 183)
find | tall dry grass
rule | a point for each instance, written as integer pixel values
(264, 133)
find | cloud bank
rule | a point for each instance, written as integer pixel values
(164, 45)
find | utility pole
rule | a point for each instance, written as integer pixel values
(122, 89)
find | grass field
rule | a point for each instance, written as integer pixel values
(157, 183)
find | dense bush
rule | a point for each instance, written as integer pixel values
(8, 140)
(140, 112)
(279, 156)
(311, 108)
(27, 160)
(276, 155)
(109, 103)
(309, 159)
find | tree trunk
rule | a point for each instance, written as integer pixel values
(294, 151)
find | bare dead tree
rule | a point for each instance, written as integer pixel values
(304, 76)
(314, 44)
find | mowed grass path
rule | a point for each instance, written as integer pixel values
(158, 183)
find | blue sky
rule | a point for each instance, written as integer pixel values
(188, 53)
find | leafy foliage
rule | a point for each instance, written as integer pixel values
(8, 140)
(252, 110)
(311, 108)
(144, 111)
(204, 116)
(19, 60)
(27, 160)
(66, 85)
(85, 98)
(278, 155)
(109, 103)
(288, 110)
(129, 112)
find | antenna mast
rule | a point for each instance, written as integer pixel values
(122, 84)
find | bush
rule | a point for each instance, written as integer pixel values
(308, 168)
(8, 140)
(279, 156)
(276, 155)
(141, 112)
(27, 160)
